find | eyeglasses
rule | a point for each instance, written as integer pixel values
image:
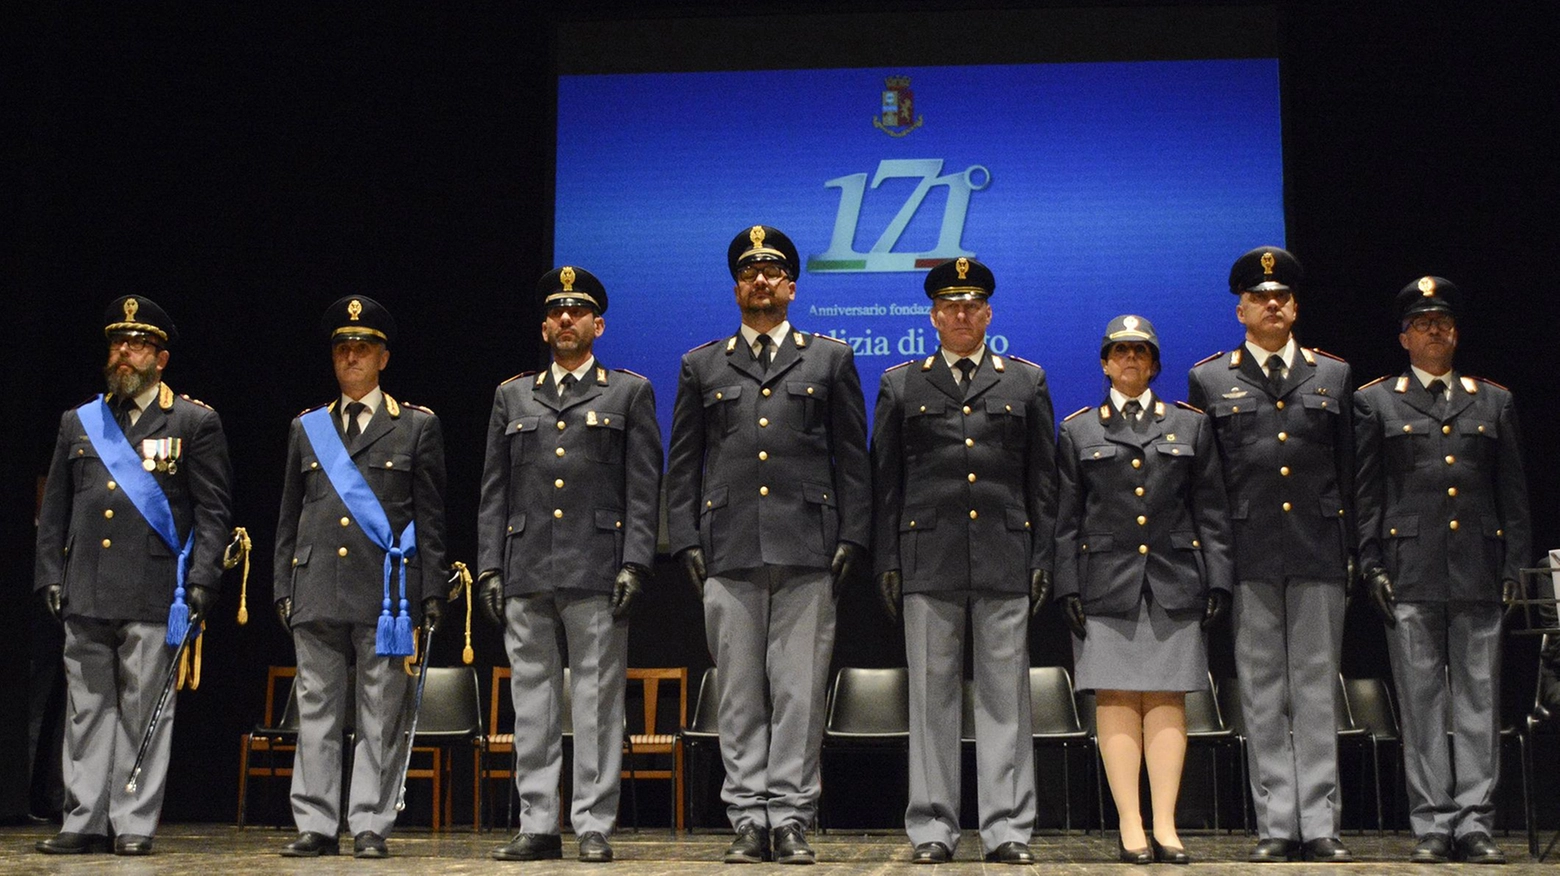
(771, 272)
(133, 343)
(1425, 322)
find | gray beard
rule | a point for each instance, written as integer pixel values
(129, 385)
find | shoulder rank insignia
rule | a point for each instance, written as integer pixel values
(1469, 385)
(391, 406)
(518, 376)
(899, 366)
(996, 364)
(1188, 407)
(927, 365)
(1082, 410)
(165, 397)
(1485, 380)
(1208, 359)
(823, 337)
(601, 376)
(1235, 357)
(1308, 356)
(630, 373)
(1402, 384)
(1376, 381)
(707, 344)
(1321, 352)
(424, 408)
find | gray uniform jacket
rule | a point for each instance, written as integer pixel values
(769, 468)
(965, 484)
(1442, 498)
(1288, 462)
(1141, 511)
(93, 541)
(570, 492)
(325, 562)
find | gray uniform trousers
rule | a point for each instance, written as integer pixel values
(113, 675)
(771, 632)
(1288, 642)
(1004, 747)
(1429, 639)
(598, 666)
(325, 650)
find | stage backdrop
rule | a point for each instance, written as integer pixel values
(1089, 189)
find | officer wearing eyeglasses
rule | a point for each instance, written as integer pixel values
(769, 511)
(1443, 529)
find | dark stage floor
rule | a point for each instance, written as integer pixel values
(209, 850)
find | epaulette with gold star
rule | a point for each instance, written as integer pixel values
(331, 405)
(705, 344)
(830, 338)
(631, 373)
(1482, 380)
(193, 401)
(1083, 410)
(518, 376)
(899, 366)
(1376, 381)
(1209, 359)
(1188, 407)
(1321, 352)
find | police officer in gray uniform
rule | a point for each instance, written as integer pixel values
(106, 572)
(1444, 531)
(334, 589)
(964, 475)
(566, 536)
(1283, 421)
(769, 509)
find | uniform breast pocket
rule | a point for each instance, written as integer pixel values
(316, 485)
(1234, 420)
(1009, 416)
(84, 462)
(1478, 439)
(1169, 451)
(604, 430)
(809, 404)
(1096, 455)
(391, 473)
(522, 439)
(720, 409)
(1322, 411)
(1404, 441)
(921, 421)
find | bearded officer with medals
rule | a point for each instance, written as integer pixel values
(964, 475)
(1283, 422)
(134, 520)
(769, 507)
(359, 553)
(1444, 532)
(566, 535)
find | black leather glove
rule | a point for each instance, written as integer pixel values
(1218, 600)
(630, 582)
(52, 595)
(433, 612)
(200, 600)
(1039, 590)
(891, 586)
(284, 612)
(1380, 586)
(846, 555)
(1072, 612)
(692, 560)
(490, 596)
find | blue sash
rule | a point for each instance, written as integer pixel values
(394, 635)
(146, 494)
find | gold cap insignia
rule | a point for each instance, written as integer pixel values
(354, 309)
(963, 267)
(1427, 286)
(1267, 264)
(1130, 323)
(756, 234)
(566, 276)
(131, 306)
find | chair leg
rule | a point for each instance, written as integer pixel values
(243, 779)
(633, 788)
(1066, 788)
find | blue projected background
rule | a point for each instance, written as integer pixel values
(1089, 189)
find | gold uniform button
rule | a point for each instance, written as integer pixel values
(719, 396)
(1446, 430)
(1288, 507)
(1408, 427)
(967, 410)
(763, 491)
(1500, 533)
(341, 551)
(560, 425)
(973, 514)
(1392, 531)
(1235, 409)
(1283, 436)
(969, 442)
(972, 477)
(314, 465)
(1450, 459)
(923, 409)
(1142, 520)
(1453, 524)
(912, 524)
(1142, 548)
(1284, 470)
(1096, 454)
(346, 521)
(1451, 491)
(1196, 543)
(619, 524)
(1138, 491)
(112, 485)
(1481, 430)
(763, 421)
(557, 512)
(763, 456)
(389, 463)
(558, 484)
(511, 529)
(108, 542)
(809, 390)
(295, 561)
(1279, 404)
(558, 452)
(768, 392)
(708, 503)
(108, 514)
(1137, 463)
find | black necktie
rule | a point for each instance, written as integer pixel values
(1437, 390)
(564, 385)
(1275, 374)
(966, 368)
(122, 409)
(353, 429)
(763, 352)
(1133, 410)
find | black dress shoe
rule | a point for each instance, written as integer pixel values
(1169, 854)
(1327, 850)
(791, 847)
(67, 843)
(132, 844)
(1144, 855)
(368, 844)
(1433, 848)
(750, 847)
(931, 853)
(1271, 851)
(531, 847)
(311, 845)
(1478, 848)
(594, 848)
(1011, 853)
